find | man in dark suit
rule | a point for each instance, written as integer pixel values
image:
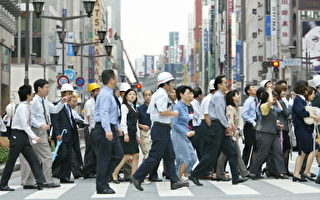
(64, 120)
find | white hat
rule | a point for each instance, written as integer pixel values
(264, 82)
(67, 87)
(316, 81)
(164, 77)
(211, 85)
(10, 109)
(124, 87)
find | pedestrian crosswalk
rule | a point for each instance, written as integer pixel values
(85, 189)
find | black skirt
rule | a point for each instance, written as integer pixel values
(130, 147)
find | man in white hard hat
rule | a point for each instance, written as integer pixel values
(160, 133)
(123, 88)
(266, 84)
(41, 109)
(60, 121)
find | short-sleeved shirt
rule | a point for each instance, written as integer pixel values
(159, 103)
(205, 105)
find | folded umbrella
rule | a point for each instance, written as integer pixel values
(55, 153)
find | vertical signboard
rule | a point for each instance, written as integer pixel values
(148, 64)
(239, 68)
(285, 22)
(268, 25)
(166, 54)
(274, 28)
(181, 54)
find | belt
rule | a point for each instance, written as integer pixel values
(162, 124)
(99, 124)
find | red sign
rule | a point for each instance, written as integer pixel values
(80, 81)
(62, 80)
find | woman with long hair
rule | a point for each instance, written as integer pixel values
(131, 136)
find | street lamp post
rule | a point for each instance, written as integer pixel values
(242, 87)
(293, 52)
(44, 64)
(27, 44)
(88, 6)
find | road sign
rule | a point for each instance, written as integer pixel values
(291, 62)
(70, 74)
(62, 80)
(80, 81)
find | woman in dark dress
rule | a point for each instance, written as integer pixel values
(131, 137)
(302, 130)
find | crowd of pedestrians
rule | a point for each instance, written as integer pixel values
(193, 135)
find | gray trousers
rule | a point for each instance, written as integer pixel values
(43, 152)
(223, 160)
(268, 142)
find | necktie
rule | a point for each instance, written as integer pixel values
(70, 115)
(45, 112)
(119, 106)
(29, 115)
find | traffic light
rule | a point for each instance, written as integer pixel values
(139, 86)
(275, 64)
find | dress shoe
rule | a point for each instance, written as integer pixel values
(289, 174)
(225, 179)
(40, 186)
(30, 187)
(206, 178)
(256, 177)
(155, 179)
(116, 181)
(66, 181)
(106, 191)
(313, 175)
(136, 183)
(308, 177)
(239, 180)
(317, 180)
(249, 175)
(52, 185)
(179, 184)
(6, 188)
(302, 179)
(89, 176)
(195, 180)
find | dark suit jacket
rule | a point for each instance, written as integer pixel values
(61, 121)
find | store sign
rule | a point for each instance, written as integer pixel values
(268, 25)
(274, 28)
(285, 22)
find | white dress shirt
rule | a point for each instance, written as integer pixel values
(22, 119)
(123, 124)
(159, 103)
(197, 116)
(205, 105)
(89, 107)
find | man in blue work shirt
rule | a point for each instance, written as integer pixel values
(218, 136)
(160, 134)
(109, 150)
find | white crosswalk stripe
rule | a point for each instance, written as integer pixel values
(229, 189)
(296, 188)
(165, 191)
(251, 189)
(120, 189)
(52, 193)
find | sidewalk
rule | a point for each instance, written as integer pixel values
(17, 165)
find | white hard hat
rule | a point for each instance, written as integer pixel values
(67, 87)
(164, 77)
(264, 82)
(124, 87)
(316, 81)
(211, 85)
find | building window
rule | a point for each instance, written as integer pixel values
(254, 59)
(254, 11)
(5, 58)
(254, 34)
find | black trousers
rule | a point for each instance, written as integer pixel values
(109, 155)
(268, 142)
(90, 155)
(215, 140)
(250, 143)
(61, 166)
(19, 143)
(161, 148)
(197, 141)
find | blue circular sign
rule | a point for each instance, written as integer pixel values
(80, 81)
(70, 74)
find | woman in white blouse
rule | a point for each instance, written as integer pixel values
(131, 136)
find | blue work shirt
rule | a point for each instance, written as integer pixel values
(144, 117)
(107, 111)
(249, 111)
(217, 108)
